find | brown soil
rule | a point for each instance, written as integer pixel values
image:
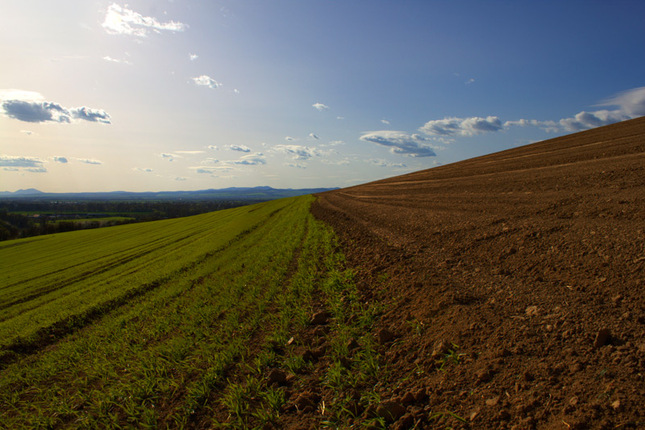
(512, 283)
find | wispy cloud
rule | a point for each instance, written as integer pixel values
(206, 81)
(298, 152)
(462, 126)
(386, 122)
(29, 106)
(320, 106)
(25, 164)
(89, 161)
(62, 160)
(121, 20)
(384, 163)
(116, 60)
(143, 170)
(313, 136)
(399, 142)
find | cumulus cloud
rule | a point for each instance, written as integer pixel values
(240, 148)
(630, 104)
(251, 160)
(290, 139)
(313, 136)
(212, 147)
(29, 106)
(62, 160)
(462, 126)
(89, 114)
(399, 142)
(320, 107)
(386, 122)
(193, 57)
(298, 152)
(169, 157)
(121, 20)
(206, 81)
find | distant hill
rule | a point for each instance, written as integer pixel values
(236, 193)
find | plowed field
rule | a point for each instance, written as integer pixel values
(512, 285)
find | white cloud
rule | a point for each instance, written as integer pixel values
(386, 122)
(116, 60)
(630, 102)
(29, 106)
(193, 57)
(121, 20)
(189, 152)
(90, 161)
(143, 170)
(240, 148)
(313, 136)
(211, 170)
(336, 143)
(384, 163)
(399, 142)
(212, 147)
(251, 160)
(462, 126)
(298, 152)
(297, 165)
(321, 107)
(62, 160)
(470, 81)
(169, 157)
(20, 162)
(206, 81)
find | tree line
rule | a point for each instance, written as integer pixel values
(26, 218)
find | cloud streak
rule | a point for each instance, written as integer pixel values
(121, 20)
(462, 126)
(16, 164)
(298, 152)
(399, 142)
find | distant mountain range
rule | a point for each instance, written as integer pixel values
(232, 193)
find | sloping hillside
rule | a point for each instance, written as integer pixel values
(512, 284)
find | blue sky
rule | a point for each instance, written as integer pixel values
(184, 95)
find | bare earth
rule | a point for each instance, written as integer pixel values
(513, 283)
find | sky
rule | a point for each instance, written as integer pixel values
(154, 95)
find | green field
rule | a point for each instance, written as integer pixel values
(174, 323)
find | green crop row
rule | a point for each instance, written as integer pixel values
(174, 324)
